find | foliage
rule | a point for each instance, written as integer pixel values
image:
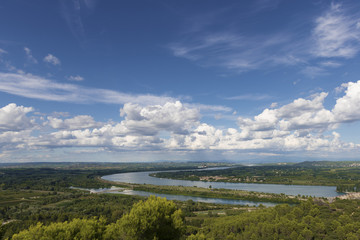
(158, 218)
(309, 220)
(76, 229)
(155, 218)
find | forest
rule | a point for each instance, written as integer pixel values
(37, 203)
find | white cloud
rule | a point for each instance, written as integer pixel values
(150, 120)
(274, 105)
(336, 34)
(2, 51)
(52, 60)
(297, 126)
(143, 128)
(76, 78)
(302, 125)
(78, 122)
(12, 140)
(235, 51)
(15, 127)
(302, 115)
(13, 118)
(206, 137)
(347, 108)
(341, 88)
(29, 56)
(208, 108)
(31, 86)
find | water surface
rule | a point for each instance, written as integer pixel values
(144, 178)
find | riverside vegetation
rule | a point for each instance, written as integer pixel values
(36, 203)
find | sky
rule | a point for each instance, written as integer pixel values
(132, 81)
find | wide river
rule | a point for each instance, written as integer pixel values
(144, 178)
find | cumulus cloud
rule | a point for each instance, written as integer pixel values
(301, 125)
(150, 120)
(15, 127)
(143, 128)
(13, 118)
(304, 116)
(347, 108)
(52, 60)
(78, 122)
(207, 137)
(12, 140)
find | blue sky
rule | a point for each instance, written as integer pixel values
(87, 80)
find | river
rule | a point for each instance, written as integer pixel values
(144, 178)
(116, 190)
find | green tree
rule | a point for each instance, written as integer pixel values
(307, 234)
(198, 236)
(155, 218)
(76, 229)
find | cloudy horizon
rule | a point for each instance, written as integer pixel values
(254, 81)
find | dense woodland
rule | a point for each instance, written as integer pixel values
(158, 218)
(36, 203)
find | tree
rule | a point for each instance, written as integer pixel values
(76, 229)
(198, 236)
(155, 218)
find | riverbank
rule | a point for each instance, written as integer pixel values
(346, 196)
